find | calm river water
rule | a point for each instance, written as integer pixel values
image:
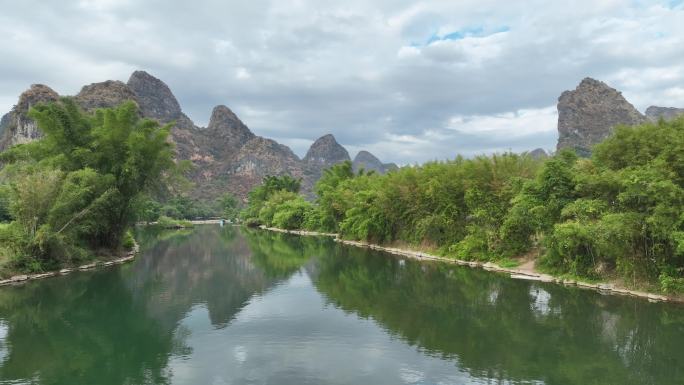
(233, 306)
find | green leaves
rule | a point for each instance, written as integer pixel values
(75, 188)
(620, 212)
(276, 187)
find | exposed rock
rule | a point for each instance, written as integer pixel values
(108, 94)
(369, 162)
(155, 99)
(4, 123)
(17, 126)
(227, 129)
(589, 114)
(325, 152)
(538, 153)
(258, 158)
(654, 113)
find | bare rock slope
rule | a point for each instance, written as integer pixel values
(17, 127)
(588, 114)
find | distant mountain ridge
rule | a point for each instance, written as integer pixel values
(369, 162)
(227, 155)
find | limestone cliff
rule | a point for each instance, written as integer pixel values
(588, 114)
(107, 94)
(17, 127)
(325, 152)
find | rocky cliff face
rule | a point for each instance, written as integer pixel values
(227, 129)
(17, 126)
(4, 123)
(155, 98)
(226, 155)
(104, 95)
(325, 152)
(369, 162)
(588, 115)
(654, 113)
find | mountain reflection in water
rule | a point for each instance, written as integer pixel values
(226, 305)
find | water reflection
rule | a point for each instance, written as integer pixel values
(84, 328)
(503, 329)
(227, 305)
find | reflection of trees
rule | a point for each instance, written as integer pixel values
(280, 255)
(505, 329)
(211, 266)
(221, 267)
(120, 325)
(83, 329)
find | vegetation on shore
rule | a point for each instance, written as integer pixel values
(165, 222)
(617, 214)
(74, 193)
(184, 208)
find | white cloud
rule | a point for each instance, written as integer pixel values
(320, 66)
(242, 73)
(516, 124)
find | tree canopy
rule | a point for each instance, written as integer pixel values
(74, 191)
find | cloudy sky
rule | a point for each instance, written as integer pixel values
(408, 80)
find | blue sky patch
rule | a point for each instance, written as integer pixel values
(478, 31)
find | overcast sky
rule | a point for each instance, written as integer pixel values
(408, 80)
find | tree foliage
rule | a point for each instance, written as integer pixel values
(75, 190)
(619, 212)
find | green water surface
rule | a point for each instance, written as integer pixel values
(224, 305)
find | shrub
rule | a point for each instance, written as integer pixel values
(128, 241)
(291, 214)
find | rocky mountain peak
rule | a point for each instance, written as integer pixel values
(367, 161)
(588, 114)
(365, 156)
(325, 151)
(227, 156)
(38, 93)
(654, 113)
(225, 124)
(538, 153)
(155, 99)
(16, 127)
(107, 94)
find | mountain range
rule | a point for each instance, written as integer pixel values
(227, 155)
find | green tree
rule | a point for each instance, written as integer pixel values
(228, 206)
(78, 185)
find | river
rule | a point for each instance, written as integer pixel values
(226, 305)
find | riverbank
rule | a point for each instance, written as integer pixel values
(127, 256)
(516, 273)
